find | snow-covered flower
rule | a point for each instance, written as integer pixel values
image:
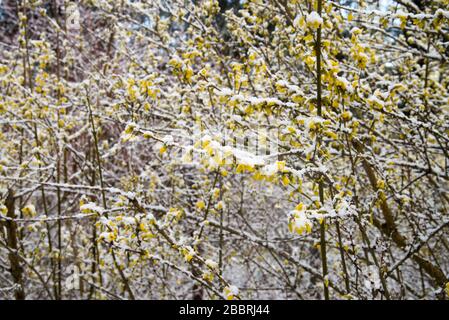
(91, 208)
(314, 20)
(107, 236)
(220, 205)
(29, 210)
(3, 210)
(130, 127)
(231, 292)
(200, 205)
(211, 264)
(298, 220)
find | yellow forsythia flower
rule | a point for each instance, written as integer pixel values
(231, 292)
(200, 205)
(29, 210)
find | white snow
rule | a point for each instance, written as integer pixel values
(314, 18)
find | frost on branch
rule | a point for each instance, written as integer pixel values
(224, 150)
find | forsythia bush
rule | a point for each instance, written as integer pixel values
(224, 149)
